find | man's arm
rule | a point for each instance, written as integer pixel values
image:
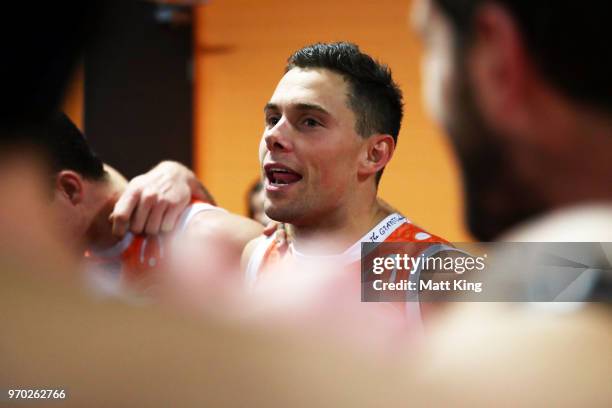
(153, 202)
(224, 235)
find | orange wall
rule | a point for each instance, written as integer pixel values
(73, 102)
(240, 52)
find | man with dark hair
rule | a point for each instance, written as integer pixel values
(86, 191)
(373, 96)
(524, 91)
(68, 149)
(331, 127)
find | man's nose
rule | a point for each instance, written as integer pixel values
(277, 138)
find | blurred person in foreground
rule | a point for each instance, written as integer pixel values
(524, 92)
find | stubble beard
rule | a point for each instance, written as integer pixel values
(495, 198)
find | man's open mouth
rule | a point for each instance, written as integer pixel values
(281, 175)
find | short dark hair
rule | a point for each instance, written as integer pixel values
(374, 97)
(66, 148)
(568, 42)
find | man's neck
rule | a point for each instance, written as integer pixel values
(339, 230)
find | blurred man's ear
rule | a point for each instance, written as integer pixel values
(69, 185)
(500, 69)
(378, 151)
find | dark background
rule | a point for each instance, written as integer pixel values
(138, 90)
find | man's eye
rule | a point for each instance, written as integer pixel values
(272, 120)
(311, 122)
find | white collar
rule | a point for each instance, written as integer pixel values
(377, 234)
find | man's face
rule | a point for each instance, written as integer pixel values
(495, 198)
(309, 149)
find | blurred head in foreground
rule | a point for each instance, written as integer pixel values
(524, 91)
(330, 128)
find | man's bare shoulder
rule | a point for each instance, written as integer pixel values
(224, 225)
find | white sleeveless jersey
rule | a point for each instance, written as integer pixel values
(394, 228)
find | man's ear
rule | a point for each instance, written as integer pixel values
(378, 150)
(499, 67)
(69, 185)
